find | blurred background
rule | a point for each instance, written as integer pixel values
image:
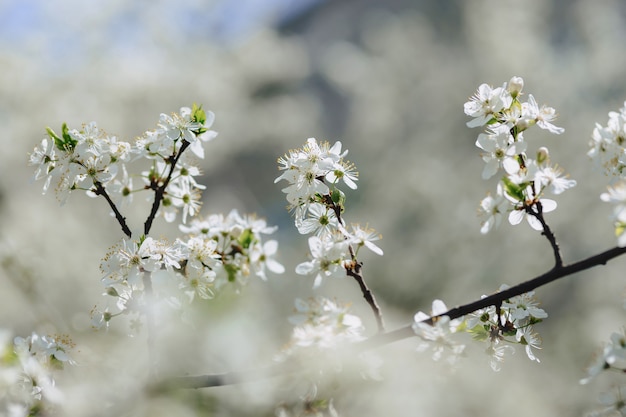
(387, 79)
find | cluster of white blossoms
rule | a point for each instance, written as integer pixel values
(501, 328)
(524, 180)
(511, 324)
(314, 174)
(93, 161)
(217, 251)
(321, 324)
(608, 151)
(27, 366)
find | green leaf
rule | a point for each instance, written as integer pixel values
(479, 332)
(338, 197)
(198, 115)
(514, 190)
(68, 142)
(57, 140)
(246, 238)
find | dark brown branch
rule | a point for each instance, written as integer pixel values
(159, 192)
(227, 378)
(355, 272)
(547, 232)
(405, 332)
(494, 299)
(100, 190)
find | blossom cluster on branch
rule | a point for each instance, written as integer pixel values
(525, 180)
(314, 173)
(216, 251)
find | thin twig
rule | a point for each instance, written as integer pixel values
(547, 232)
(100, 190)
(355, 272)
(160, 191)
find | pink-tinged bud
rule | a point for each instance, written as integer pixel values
(515, 86)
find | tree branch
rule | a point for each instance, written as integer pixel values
(100, 190)
(381, 339)
(355, 272)
(160, 191)
(547, 232)
(354, 269)
(526, 286)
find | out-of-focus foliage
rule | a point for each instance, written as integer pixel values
(387, 79)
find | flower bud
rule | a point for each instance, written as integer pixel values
(515, 86)
(236, 231)
(543, 155)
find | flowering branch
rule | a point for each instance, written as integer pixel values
(381, 339)
(353, 268)
(223, 251)
(497, 298)
(159, 191)
(314, 173)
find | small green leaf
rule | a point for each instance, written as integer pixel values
(57, 140)
(338, 197)
(198, 115)
(479, 332)
(246, 238)
(514, 190)
(68, 142)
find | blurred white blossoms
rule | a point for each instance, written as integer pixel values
(314, 174)
(613, 403)
(321, 323)
(611, 356)
(608, 151)
(323, 334)
(27, 367)
(511, 324)
(524, 180)
(437, 335)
